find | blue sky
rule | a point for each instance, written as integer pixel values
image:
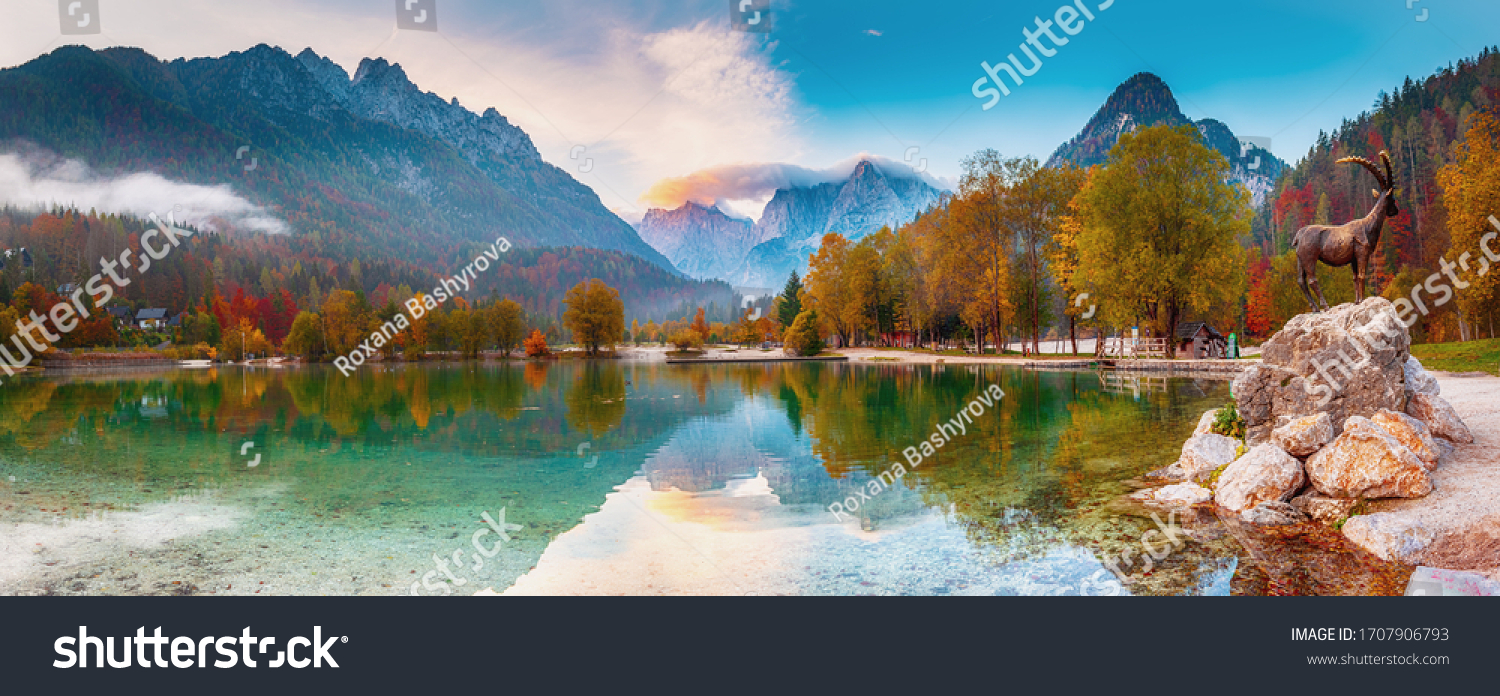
(1279, 69)
(663, 97)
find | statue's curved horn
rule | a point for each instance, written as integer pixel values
(1367, 164)
(1390, 175)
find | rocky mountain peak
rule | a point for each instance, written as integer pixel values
(704, 242)
(1145, 100)
(382, 91)
(378, 71)
(271, 76)
(328, 73)
(701, 241)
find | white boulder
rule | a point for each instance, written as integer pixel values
(1418, 380)
(1206, 422)
(1266, 473)
(1412, 433)
(1201, 456)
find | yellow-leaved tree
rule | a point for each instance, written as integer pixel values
(1471, 194)
(1159, 230)
(1034, 207)
(595, 315)
(508, 324)
(243, 338)
(344, 322)
(830, 284)
(1062, 261)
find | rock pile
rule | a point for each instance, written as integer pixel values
(1339, 412)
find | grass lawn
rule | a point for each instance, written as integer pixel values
(1472, 356)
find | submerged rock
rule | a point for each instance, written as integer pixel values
(1266, 473)
(1412, 433)
(1389, 536)
(1176, 495)
(1329, 511)
(1273, 513)
(1367, 462)
(1303, 436)
(1440, 417)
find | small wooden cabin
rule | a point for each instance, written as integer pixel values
(899, 339)
(1197, 340)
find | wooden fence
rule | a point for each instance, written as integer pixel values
(1121, 347)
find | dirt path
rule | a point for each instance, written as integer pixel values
(1463, 512)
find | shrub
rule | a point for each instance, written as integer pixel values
(1229, 423)
(803, 337)
(687, 339)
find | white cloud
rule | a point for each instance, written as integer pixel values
(37, 180)
(648, 104)
(874, 32)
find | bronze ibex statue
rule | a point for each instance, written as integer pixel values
(1351, 242)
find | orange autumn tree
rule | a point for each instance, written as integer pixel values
(700, 326)
(1471, 194)
(243, 338)
(536, 345)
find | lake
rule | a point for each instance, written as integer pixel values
(614, 477)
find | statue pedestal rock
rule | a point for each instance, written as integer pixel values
(1348, 361)
(1337, 412)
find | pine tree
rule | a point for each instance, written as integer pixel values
(789, 304)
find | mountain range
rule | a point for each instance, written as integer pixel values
(704, 242)
(371, 163)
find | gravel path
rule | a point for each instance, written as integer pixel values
(1463, 512)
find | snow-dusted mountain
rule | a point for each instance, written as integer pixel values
(1145, 100)
(706, 241)
(701, 242)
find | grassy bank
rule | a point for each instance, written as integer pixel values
(1470, 356)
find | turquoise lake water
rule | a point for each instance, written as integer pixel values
(619, 477)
